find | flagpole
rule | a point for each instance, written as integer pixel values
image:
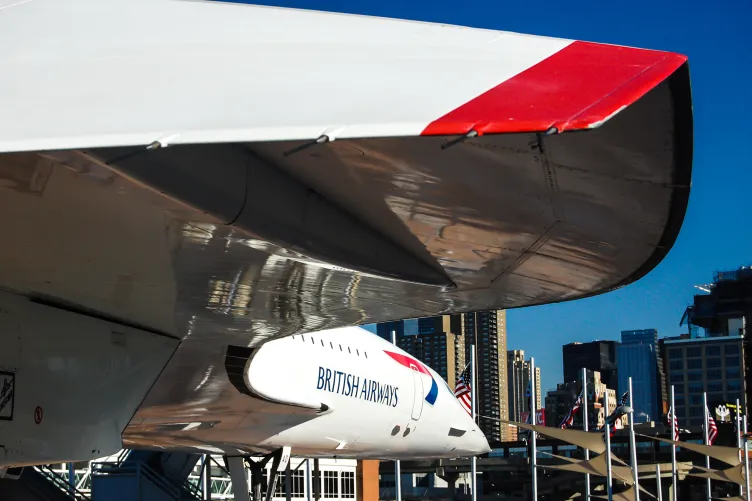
(746, 457)
(585, 428)
(632, 444)
(708, 488)
(397, 469)
(473, 462)
(533, 410)
(738, 429)
(658, 488)
(672, 425)
(609, 485)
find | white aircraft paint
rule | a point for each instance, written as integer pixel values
(375, 404)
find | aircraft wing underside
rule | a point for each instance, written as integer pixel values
(227, 174)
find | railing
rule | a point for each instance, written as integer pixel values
(193, 487)
(220, 486)
(61, 483)
(122, 456)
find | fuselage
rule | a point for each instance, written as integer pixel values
(376, 400)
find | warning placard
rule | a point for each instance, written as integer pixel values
(7, 395)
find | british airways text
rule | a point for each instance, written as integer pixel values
(351, 385)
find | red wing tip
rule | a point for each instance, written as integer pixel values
(579, 88)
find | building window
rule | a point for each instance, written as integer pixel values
(732, 372)
(695, 351)
(711, 351)
(676, 365)
(695, 411)
(694, 376)
(331, 487)
(677, 378)
(694, 364)
(279, 489)
(675, 353)
(679, 400)
(715, 387)
(713, 363)
(733, 385)
(348, 484)
(695, 399)
(732, 361)
(714, 374)
(297, 484)
(731, 350)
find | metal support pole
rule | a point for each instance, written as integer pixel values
(308, 481)
(708, 488)
(632, 444)
(674, 475)
(738, 428)
(609, 479)
(206, 478)
(746, 458)
(239, 478)
(316, 479)
(72, 479)
(474, 407)
(288, 482)
(658, 488)
(397, 470)
(533, 441)
(585, 428)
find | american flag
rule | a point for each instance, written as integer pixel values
(712, 428)
(624, 398)
(569, 418)
(672, 420)
(462, 390)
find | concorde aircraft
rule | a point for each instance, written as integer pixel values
(184, 185)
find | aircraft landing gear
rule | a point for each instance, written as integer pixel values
(237, 465)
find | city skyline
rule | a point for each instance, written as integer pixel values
(518, 337)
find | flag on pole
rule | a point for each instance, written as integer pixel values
(621, 410)
(712, 428)
(673, 423)
(463, 392)
(569, 418)
(624, 398)
(529, 400)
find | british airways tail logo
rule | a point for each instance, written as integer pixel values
(413, 364)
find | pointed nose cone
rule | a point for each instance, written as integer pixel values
(481, 447)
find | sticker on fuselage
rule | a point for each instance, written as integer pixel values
(7, 395)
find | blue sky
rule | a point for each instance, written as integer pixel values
(716, 234)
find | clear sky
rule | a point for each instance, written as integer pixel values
(717, 233)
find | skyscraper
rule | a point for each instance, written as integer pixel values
(596, 356)
(518, 376)
(444, 352)
(400, 327)
(442, 323)
(712, 364)
(487, 330)
(637, 357)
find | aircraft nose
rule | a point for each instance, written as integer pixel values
(475, 440)
(480, 444)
